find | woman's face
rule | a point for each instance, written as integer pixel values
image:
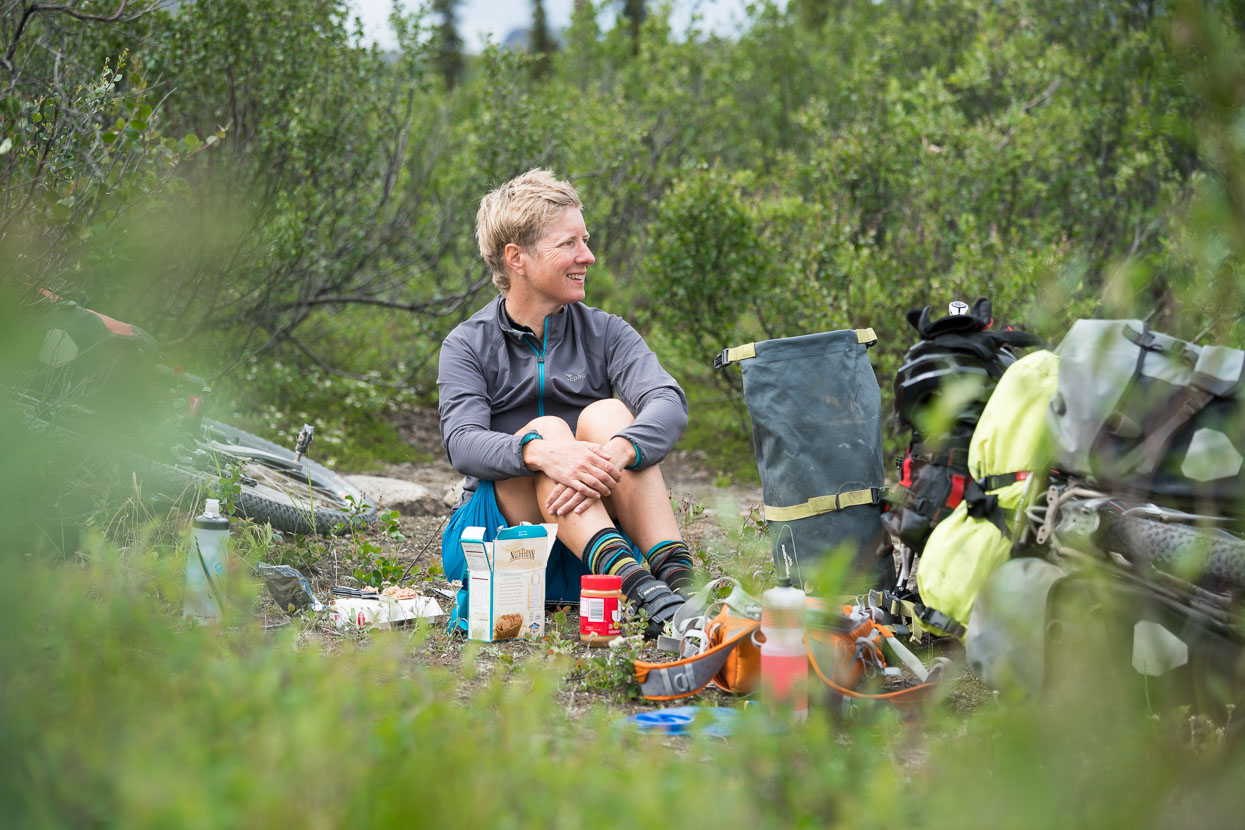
(555, 267)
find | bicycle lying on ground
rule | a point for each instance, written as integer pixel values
(97, 389)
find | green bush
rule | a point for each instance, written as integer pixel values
(354, 419)
(823, 170)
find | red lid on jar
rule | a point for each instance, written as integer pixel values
(600, 582)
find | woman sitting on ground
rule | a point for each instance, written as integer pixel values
(559, 412)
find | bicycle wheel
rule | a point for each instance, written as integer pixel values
(1201, 553)
(300, 496)
(294, 496)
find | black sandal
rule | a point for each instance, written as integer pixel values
(655, 597)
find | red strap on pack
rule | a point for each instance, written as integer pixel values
(958, 483)
(906, 481)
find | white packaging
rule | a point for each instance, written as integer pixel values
(385, 612)
(506, 581)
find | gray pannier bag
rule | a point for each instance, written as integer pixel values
(816, 427)
(1149, 414)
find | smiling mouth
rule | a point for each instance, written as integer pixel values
(575, 277)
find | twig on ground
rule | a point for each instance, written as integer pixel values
(422, 550)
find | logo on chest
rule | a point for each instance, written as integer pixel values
(574, 377)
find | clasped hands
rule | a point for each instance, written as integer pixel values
(583, 471)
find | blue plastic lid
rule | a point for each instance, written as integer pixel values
(680, 720)
(662, 722)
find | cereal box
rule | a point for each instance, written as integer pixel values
(506, 581)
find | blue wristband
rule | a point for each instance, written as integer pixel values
(523, 442)
(639, 456)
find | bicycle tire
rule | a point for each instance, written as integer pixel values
(1210, 552)
(302, 496)
(272, 489)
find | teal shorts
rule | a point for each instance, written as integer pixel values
(561, 574)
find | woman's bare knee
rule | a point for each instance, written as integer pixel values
(601, 420)
(549, 426)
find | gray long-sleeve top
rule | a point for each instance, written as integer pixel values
(494, 377)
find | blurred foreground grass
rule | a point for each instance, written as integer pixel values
(113, 712)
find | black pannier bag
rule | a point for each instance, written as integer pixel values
(933, 474)
(815, 408)
(1145, 413)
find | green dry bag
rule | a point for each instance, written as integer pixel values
(1007, 458)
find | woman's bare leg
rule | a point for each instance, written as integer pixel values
(640, 500)
(523, 499)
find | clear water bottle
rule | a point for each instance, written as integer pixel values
(205, 565)
(784, 658)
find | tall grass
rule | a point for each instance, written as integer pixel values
(113, 712)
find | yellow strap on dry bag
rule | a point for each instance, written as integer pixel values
(823, 504)
(749, 350)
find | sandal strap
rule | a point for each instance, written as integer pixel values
(655, 597)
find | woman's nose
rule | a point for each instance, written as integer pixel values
(585, 255)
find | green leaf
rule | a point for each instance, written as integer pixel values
(191, 142)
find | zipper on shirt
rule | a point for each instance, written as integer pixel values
(540, 364)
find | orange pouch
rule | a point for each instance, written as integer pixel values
(742, 671)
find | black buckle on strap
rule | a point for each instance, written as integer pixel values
(721, 360)
(995, 482)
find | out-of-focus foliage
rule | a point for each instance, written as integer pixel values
(929, 152)
(832, 166)
(448, 48)
(84, 154)
(114, 712)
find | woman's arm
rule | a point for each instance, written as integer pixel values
(648, 390)
(474, 449)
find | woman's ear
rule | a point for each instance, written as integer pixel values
(514, 255)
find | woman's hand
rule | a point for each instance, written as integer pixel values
(583, 472)
(562, 499)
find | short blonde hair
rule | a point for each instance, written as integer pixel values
(519, 212)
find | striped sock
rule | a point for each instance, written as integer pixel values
(607, 552)
(671, 562)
